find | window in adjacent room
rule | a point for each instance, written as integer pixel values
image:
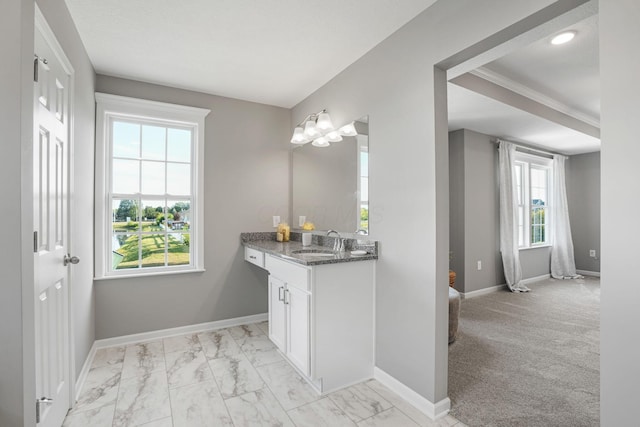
(533, 178)
(148, 187)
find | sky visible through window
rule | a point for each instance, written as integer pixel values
(151, 159)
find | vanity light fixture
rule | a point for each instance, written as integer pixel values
(564, 37)
(318, 129)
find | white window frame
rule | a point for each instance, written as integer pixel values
(528, 162)
(110, 107)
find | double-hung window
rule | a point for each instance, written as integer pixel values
(533, 179)
(149, 175)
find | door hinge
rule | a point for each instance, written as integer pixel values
(39, 403)
(36, 66)
(35, 241)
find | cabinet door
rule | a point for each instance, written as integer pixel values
(298, 310)
(277, 313)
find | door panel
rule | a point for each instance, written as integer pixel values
(51, 198)
(277, 315)
(297, 303)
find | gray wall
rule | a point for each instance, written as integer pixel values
(394, 84)
(457, 206)
(583, 195)
(325, 184)
(246, 182)
(475, 215)
(82, 296)
(17, 354)
(619, 314)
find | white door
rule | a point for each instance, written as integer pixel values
(298, 332)
(51, 234)
(277, 320)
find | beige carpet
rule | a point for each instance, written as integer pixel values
(529, 359)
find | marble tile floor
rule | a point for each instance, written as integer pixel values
(227, 377)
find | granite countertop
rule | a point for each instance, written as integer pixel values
(266, 242)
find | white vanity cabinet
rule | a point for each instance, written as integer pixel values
(321, 318)
(289, 312)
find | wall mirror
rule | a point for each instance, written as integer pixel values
(331, 184)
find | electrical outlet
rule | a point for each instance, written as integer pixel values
(276, 220)
(301, 220)
(479, 265)
(592, 253)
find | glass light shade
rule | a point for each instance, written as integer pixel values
(324, 122)
(321, 142)
(333, 136)
(563, 37)
(348, 130)
(310, 130)
(298, 136)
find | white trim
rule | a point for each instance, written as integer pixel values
(147, 274)
(432, 410)
(125, 102)
(496, 288)
(181, 330)
(535, 279)
(527, 92)
(588, 273)
(484, 291)
(84, 372)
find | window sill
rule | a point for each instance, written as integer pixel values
(534, 247)
(141, 275)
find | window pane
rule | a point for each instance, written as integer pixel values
(152, 214)
(153, 177)
(178, 179)
(179, 249)
(153, 250)
(126, 140)
(126, 176)
(179, 145)
(538, 177)
(125, 251)
(125, 215)
(537, 234)
(364, 189)
(179, 215)
(153, 146)
(538, 196)
(538, 216)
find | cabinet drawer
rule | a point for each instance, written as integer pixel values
(254, 256)
(291, 274)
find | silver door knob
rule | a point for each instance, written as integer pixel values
(68, 259)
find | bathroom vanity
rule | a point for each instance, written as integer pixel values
(321, 308)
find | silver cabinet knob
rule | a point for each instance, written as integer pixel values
(68, 259)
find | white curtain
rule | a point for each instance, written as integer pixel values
(509, 219)
(563, 265)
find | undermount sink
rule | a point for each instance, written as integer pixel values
(313, 252)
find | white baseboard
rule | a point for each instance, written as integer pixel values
(432, 410)
(84, 372)
(465, 295)
(182, 330)
(535, 279)
(588, 273)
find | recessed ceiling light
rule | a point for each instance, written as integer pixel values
(563, 37)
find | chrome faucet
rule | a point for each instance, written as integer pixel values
(338, 244)
(361, 231)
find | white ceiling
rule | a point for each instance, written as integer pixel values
(279, 52)
(564, 77)
(272, 52)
